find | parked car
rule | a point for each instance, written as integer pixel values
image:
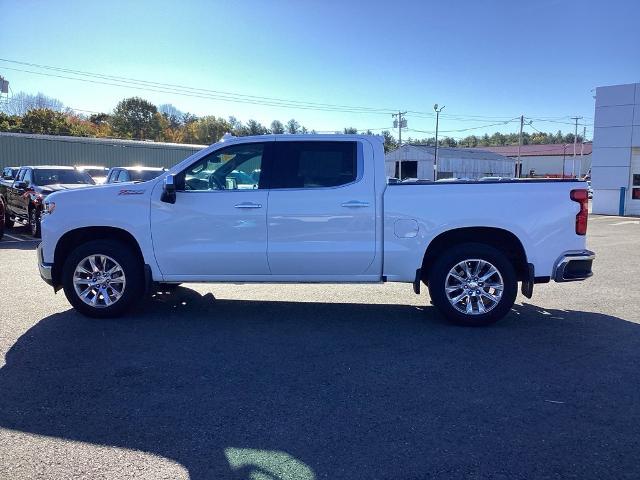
(25, 196)
(8, 174)
(133, 174)
(99, 174)
(322, 212)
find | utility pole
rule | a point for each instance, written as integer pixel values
(435, 154)
(401, 123)
(519, 161)
(518, 164)
(584, 135)
(575, 144)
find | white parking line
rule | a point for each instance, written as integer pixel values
(627, 222)
(15, 238)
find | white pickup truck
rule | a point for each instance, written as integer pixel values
(313, 208)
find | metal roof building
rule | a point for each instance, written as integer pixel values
(18, 149)
(554, 160)
(416, 161)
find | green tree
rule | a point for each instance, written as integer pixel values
(136, 118)
(256, 128)
(293, 126)
(45, 121)
(350, 131)
(277, 127)
(10, 123)
(210, 129)
(390, 142)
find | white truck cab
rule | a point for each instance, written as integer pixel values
(313, 208)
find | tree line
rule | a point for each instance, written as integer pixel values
(138, 119)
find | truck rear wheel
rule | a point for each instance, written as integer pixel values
(473, 284)
(103, 278)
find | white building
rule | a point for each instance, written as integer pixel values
(615, 171)
(550, 160)
(416, 161)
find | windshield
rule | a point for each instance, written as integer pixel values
(95, 172)
(143, 175)
(52, 176)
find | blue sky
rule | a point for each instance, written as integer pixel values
(487, 61)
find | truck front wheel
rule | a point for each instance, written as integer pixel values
(34, 222)
(103, 278)
(473, 284)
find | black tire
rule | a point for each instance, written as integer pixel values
(2, 218)
(467, 251)
(34, 221)
(131, 265)
(8, 223)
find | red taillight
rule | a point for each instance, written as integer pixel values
(582, 197)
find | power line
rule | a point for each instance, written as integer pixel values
(128, 82)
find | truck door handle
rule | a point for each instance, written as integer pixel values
(248, 205)
(355, 204)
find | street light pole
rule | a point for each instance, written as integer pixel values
(435, 155)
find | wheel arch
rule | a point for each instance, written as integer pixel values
(499, 238)
(73, 238)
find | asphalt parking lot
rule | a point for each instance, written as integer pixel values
(315, 381)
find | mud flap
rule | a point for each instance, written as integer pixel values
(527, 285)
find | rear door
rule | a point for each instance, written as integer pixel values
(321, 216)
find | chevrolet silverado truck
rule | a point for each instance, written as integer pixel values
(24, 197)
(313, 208)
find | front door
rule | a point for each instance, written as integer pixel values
(217, 226)
(634, 189)
(321, 218)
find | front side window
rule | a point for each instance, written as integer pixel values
(313, 164)
(123, 176)
(237, 167)
(28, 177)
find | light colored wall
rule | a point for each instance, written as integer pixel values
(552, 164)
(616, 131)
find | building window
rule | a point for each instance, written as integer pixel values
(409, 169)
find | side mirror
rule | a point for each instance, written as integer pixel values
(21, 185)
(169, 189)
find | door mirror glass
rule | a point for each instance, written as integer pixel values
(169, 189)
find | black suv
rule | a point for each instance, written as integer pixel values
(25, 196)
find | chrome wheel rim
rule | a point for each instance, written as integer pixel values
(474, 286)
(33, 222)
(99, 281)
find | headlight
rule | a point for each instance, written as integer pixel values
(49, 207)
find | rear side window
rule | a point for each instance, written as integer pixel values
(313, 164)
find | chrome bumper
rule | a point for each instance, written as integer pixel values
(573, 266)
(45, 268)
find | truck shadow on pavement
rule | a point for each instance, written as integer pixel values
(233, 389)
